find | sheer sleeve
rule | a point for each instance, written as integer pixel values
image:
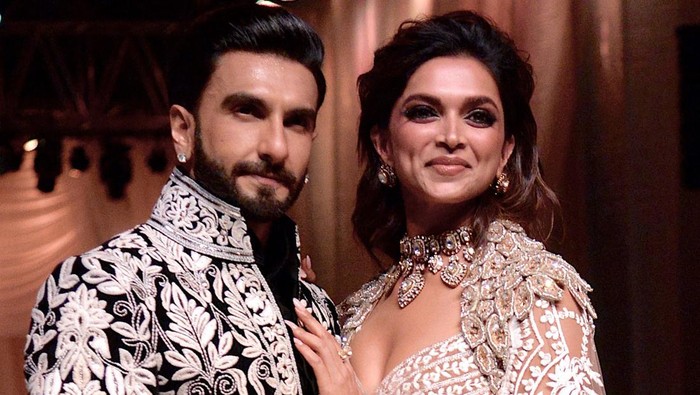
(553, 351)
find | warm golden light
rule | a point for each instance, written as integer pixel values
(31, 145)
(267, 3)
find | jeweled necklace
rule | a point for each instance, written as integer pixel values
(419, 252)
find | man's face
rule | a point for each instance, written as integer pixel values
(254, 129)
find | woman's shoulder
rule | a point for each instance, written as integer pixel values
(524, 264)
(509, 278)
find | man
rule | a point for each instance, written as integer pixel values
(194, 300)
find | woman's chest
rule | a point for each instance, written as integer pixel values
(391, 335)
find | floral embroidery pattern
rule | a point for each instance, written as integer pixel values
(172, 306)
(513, 317)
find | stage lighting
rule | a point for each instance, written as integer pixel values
(10, 157)
(115, 168)
(78, 159)
(48, 163)
(30, 145)
(157, 161)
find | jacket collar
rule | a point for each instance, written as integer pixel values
(199, 220)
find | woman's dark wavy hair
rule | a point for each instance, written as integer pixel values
(250, 28)
(379, 220)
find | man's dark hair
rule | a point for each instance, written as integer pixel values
(249, 28)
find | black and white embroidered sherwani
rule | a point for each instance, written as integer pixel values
(181, 304)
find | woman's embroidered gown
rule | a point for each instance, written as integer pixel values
(526, 326)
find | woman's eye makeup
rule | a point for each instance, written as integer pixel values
(419, 112)
(481, 118)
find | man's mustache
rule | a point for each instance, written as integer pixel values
(265, 169)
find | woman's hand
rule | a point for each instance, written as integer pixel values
(306, 272)
(329, 361)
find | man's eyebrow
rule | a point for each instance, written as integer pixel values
(302, 113)
(241, 98)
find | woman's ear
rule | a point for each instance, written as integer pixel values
(380, 140)
(506, 152)
(182, 130)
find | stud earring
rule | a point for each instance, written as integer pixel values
(306, 179)
(386, 175)
(181, 157)
(501, 184)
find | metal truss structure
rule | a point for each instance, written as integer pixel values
(84, 78)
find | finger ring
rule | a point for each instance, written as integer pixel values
(345, 353)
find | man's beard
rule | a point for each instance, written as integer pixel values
(261, 207)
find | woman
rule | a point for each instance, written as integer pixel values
(452, 192)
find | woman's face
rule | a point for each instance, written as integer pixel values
(446, 138)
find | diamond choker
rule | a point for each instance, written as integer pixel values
(419, 252)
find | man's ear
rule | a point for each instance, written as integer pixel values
(380, 140)
(182, 130)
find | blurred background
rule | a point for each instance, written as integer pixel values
(85, 150)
